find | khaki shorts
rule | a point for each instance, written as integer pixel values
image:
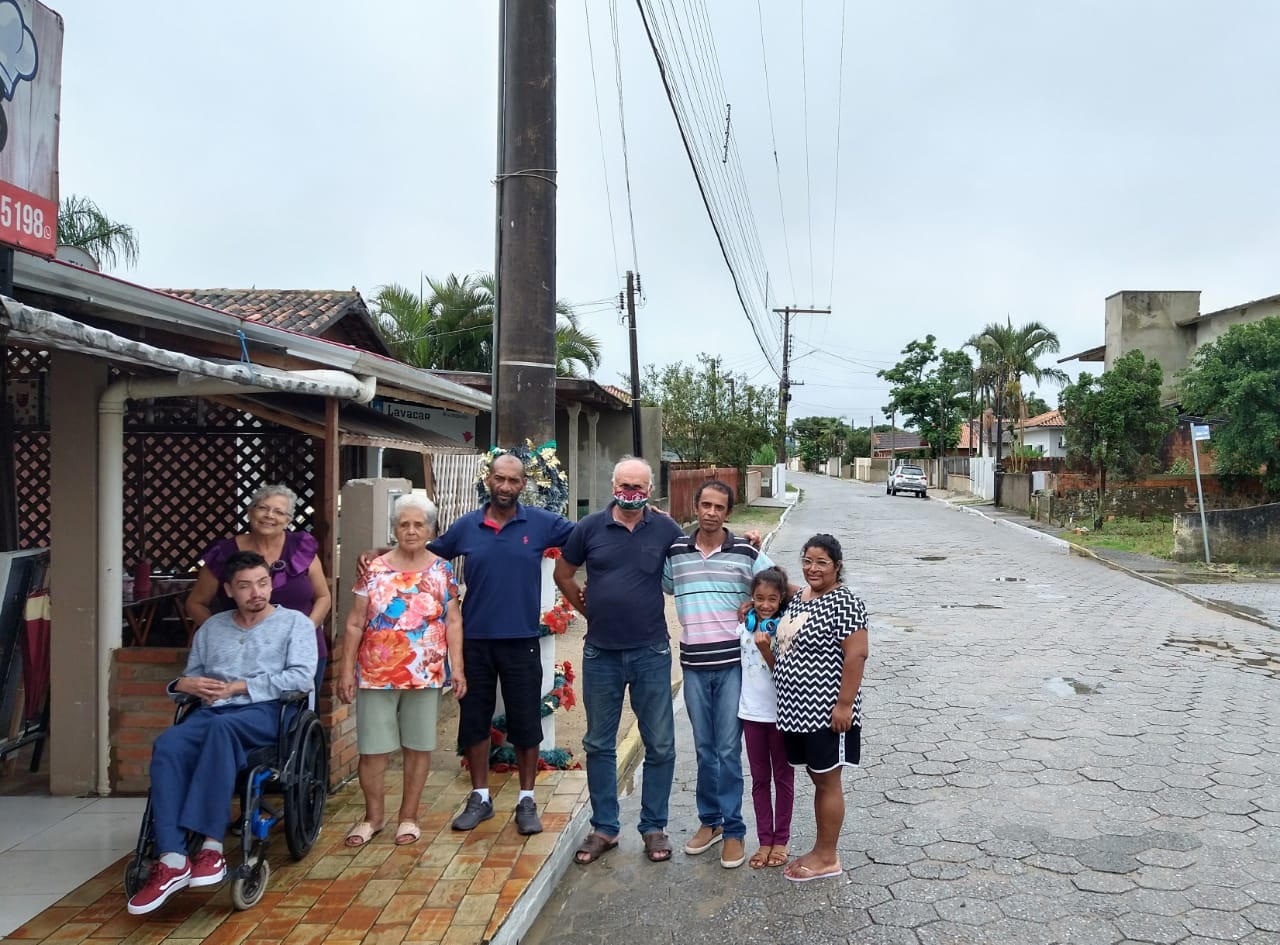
(387, 719)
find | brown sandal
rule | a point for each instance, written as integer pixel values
(593, 847)
(778, 856)
(657, 846)
(760, 859)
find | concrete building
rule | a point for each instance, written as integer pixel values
(1169, 327)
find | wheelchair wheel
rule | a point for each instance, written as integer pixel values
(136, 872)
(246, 892)
(306, 791)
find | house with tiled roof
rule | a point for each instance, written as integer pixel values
(332, 314)
(1047, 431)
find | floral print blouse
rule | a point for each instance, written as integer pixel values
(404, 644)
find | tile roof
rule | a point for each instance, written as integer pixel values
(1051, 419)
(622, 395)
(308, 311)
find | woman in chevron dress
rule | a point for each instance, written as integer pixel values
(821, 650)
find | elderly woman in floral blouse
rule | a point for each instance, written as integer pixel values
(403, 625)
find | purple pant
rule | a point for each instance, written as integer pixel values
(770, 775)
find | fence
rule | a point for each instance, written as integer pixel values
(683, 485)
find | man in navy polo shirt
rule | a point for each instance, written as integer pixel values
(503, 542)
(627, 645)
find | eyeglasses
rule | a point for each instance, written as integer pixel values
(273, 512)
(819, 564)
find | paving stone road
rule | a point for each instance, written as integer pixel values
(1053, 752)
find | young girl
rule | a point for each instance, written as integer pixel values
(758, 709)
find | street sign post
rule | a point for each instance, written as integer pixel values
(1200, 431)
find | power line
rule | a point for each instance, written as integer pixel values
(724, 205)
(835, 203)
(808, 190)
(622, 122)
(595, 91)
(773, 137)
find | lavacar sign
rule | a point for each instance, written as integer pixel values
(30, 88)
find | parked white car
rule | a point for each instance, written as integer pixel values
(907, 479)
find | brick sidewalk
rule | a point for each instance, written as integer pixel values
(447, 888)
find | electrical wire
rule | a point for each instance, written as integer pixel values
(835, 202)
(808, 189)
(622, 122)
(595, 92)
(773, 137)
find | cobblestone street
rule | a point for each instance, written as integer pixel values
(1053, 752)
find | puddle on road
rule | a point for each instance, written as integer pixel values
(1266, 660)
(1243, 608)
(1066, 686)
(931, 557)
(1010, 580)
(971, 607)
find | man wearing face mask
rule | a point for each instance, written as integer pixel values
(624, 547)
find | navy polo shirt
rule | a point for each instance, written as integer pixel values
(625, 606)
(503, 569)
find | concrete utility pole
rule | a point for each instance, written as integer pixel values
(524, 318)
(785, 383)
(637, 444)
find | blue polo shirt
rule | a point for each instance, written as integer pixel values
(625, 607)
(503, 571)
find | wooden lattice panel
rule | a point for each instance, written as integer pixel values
(184, 491)
(31, 477)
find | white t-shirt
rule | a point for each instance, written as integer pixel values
(759, 699)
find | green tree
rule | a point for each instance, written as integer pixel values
(1035, 404)
(1115, 423)
(817, 439)
(708, 416)
(1005, 356)
(931, 389)
(1237, 378)
(451, 329)
(82, 223)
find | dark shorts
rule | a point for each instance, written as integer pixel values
(824, 750)
(515, 664)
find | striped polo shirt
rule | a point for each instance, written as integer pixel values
(708, 590)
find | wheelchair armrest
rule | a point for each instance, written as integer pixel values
(294, 696)
(185, 704)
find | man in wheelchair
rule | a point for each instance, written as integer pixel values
(241, 662)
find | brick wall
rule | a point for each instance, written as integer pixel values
(1076, 496)
(141, 710)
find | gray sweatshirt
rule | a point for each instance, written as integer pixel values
(273, 657)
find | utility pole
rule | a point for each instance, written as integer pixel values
(637, 444)
(524, 318)
(785, 383)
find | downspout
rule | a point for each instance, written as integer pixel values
(111, 499)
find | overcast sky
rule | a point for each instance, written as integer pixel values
(996, 158)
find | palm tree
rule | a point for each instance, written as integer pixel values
(1007, 355)
(451, 329)
(82, 223)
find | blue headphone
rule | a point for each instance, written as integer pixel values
(769, 625)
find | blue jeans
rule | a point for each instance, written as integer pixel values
(711, 696)
(606, 674)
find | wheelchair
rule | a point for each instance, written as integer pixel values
(296, 769)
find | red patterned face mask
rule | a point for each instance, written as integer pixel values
(630, 500)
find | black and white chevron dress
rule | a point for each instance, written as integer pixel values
(809, 661)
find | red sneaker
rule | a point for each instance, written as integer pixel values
(163, 882)
(208, 868)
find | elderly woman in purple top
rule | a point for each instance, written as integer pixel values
(297, 579)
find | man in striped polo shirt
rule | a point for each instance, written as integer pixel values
(710, 572)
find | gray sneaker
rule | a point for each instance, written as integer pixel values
(527, 819)
(475, 811)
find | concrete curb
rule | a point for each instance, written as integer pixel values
(527, 908)
(1083, 552)
(768, 539)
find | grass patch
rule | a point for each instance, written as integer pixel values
(1154, 536)
(745, 518)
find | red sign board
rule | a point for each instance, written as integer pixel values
(30, 89)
